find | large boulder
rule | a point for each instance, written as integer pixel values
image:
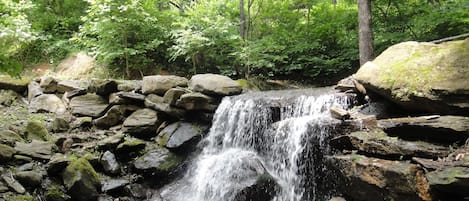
(157, 161)
(422, 76)
(366, 178)
(213, 84)
(142, 123)
(88, 105)
(159, 84)
(47, 103)
(81, 180)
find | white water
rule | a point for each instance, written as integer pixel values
(244, 142)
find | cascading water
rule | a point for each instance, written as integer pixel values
(281, 135)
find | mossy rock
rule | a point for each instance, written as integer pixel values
(56, 193)
(8, 97)
(15, 84)
(20, 198)
(6, 152)
(10, 138)
(131, 147)
(158, 161)
(36, 130)
(81, 180)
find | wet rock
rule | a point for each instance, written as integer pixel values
(196, 101)
(378, 179)
(115, 115)
(35, 149)
(159, 84)
(81, 180)
(264, 189)
(450, 183)
(129, 148)
(339, 113)
(157, 103)
(47, 103)
(441, 70)
(57, 163)
(136, 191)
(133, 98)
(90, 105)
(13, 184)
(212, 84)
(142, 123)
(158, 161)
(377, 142)
(180, 136)
(103, 87)
(72, 85)
(109, 163)
(29, 178)
(34, 90)
(48, 84)
(6, 152)
(172, 95)
(111, 141)
(114, 186)
(8, 137)
(346, 84)
(442, 129)
(36, 130)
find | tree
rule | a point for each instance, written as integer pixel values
(365, 32)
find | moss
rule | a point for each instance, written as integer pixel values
(20, 198)
(36, 130)
(77, 169)
(15, 81)
(55, 193)
(171, 162)
(243, 83)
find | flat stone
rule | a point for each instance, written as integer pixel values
(112, 186)
(36, 149)
(13, 184)
(111, 141)
(103, 87)
(172, 95)
(6, 152)
(29, 178)
(159, 84)
(47, 103)
(48, 84)
(72, 85)
(196, 101)
(88, 105)
(109, 163)
(180, 135)
(213, 84)
(143, 123)
(157, 162)
(57, 163)
(8, 137)
(451, 182)
(17, 85)
(115, 115)
(157, 103)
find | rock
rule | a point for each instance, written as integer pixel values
(109, 163)
(376, 142)
(3, 187)
(159, 84)
(142, 123)
(114, 99)
(172, 95)
(129, 148)
(34, 90)
(13, 184)
(88, 105)
(57, 163)
(130, 98)
(72, 85)
(450, 183)
(8, 137)
(263, 189)
(29, 178)
(158, 161)
(74, 93)
(81, 122)
(55, 192)
(196, 101)
(81, 180)
(422, 76)
(212, 84)
(36, 149)
(136, 191)
(48, 84)
(111, 141)
(339, 113)
(114, 186)
(47, 103)
(59, 124)
(115, 115)
(17, 85)
(180, 136)
(6, 152)
(8, 97)
(157, 103)
(337, 199)
(441, 129)
(103, 87)
(36, 130)
(378, 179)
(129, 85)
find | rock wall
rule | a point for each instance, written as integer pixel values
(102, 139)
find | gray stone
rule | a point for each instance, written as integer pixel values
(6, 152)
(103, 87)
(109, 163)
(129, 148)
(57, 163)
(81, 122)
(159, 84)
(36, 130)
(172, 95)
(115, 115)
(81, 180)
(72, 85)
(111, 141)
(48, 84)
(157, 161)
(180, 135)
(60, 124)
(157, 103)
(47, 103)
(142, 123)
(29, 178)
(34, 90)
(88, 105)
(8, 97)
(129, 85)
(196, 101)
(36, 149)
(8, 137)
(13, 184)
(8, 83)
(113, 186)
(212, 84)
(451, 182)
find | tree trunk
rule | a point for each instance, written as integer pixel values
(365, 32)
(242, 20)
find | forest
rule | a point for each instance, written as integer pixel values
(304, 40)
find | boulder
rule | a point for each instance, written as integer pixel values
(114, 186)
(159, 84)
(129, 85)
(422, 76)
(157, 103)
(48, 84)
(115, 115)
(366, 178)
(34, 90)
(36, 130)
(109, 163)
(35, 149)
(142, 123)
(263, 189)
(17, 85)
(158, 161)
(180, 136)
(29, 178)
(212, 84)
(8, 137)
(450, 183)
(13, 184)
(129, 148)
(57, 163)
(6, 152)
(47, 103)
(60, 124)
(172, 95)
(111, 141)
(72, 85)
(81, 122)
(88, 105)
(130, 98)
(102, 87)
(81, 180)
(441, 129)
(196, 101)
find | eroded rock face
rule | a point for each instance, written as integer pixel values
(213, 84)
(422, 76)
(378, 179)
(450, 183)
(90, 105)
(159, 84)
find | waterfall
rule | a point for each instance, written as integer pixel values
(281, 134)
